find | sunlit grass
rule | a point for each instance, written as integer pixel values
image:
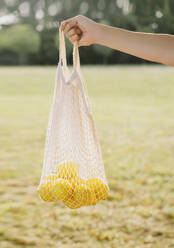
(134, 113)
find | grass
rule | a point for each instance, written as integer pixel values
(134, 113)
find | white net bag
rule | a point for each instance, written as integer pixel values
(73, 170)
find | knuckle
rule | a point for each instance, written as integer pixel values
(72, 31)
(72, 23)
(67, 28)
(79, 16)
(64, 22)
(68, 25)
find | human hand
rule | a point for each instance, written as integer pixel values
(80, 29)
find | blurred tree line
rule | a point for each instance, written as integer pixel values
(29, 28)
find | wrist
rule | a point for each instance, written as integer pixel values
(98, 33)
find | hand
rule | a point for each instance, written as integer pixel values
(80, 29)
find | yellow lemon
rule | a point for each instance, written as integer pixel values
(76, 182)
(62, 189)
(101, 190)
(92, 199)
(68, 170)
(46, 192)
(72, 203)
(50, 178)
(53, 190)
(83, 195)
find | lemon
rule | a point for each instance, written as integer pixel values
(46, 192)
(83, 195)
(72, 203)
(76, 182)
(53, 190)
(92, 199)
(46, 188)
(101, 190)
(62, 189)
(68, 170)
(50, 178)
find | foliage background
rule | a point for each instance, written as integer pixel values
(29, 28)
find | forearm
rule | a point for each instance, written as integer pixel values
(153, 47)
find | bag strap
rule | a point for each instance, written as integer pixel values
(76, 57)
(62, 52)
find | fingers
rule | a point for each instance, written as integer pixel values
(67, 25)
(74, 38)
(71, 30)
(63, 24)
(73, 34)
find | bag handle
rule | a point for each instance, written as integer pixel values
(62, 52)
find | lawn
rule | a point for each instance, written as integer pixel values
(134, 113)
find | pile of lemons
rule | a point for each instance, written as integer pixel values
(74, 191)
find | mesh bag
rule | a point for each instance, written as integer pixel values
(73, 170)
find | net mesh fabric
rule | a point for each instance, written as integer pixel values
(73, 169)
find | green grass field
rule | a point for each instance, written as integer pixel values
(134, 113)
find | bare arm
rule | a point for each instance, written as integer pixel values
(153, 47)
